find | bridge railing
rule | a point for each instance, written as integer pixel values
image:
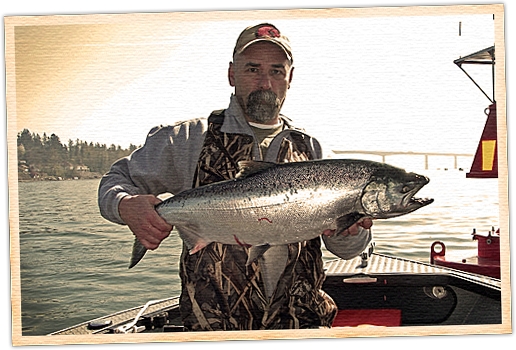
(384, 154)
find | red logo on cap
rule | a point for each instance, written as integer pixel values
(267, 31)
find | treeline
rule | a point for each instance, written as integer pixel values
(45, 157)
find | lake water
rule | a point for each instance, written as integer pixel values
(74, 263)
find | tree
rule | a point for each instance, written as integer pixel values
(55, 159)
(25, 138)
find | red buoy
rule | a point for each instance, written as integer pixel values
(485, 163)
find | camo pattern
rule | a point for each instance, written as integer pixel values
(218, 291)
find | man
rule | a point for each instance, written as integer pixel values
(283, 288)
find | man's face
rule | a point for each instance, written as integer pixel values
(261, 76)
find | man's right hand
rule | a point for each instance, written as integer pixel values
(139, 214)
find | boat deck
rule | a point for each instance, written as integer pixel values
(379, 263)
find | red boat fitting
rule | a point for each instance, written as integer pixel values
(487, 261)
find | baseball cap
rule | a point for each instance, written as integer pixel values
(262, 32)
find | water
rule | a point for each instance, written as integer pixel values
(74, 263)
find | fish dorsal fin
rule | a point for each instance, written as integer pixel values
(252, 167)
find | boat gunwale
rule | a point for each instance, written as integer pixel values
(135, 309)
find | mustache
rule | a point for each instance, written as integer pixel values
(262, 106)
(265, 96)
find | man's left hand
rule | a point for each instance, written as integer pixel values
(353, 230)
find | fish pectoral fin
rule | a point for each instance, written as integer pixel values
(251, 167)
(255, 252)
(346, 221)
(138, 252)
(193, 241)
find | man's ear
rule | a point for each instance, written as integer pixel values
(231, 74)
(290, 77)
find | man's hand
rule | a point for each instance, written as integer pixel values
(353, 230)
(144, 221)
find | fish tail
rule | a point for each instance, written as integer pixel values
(138, 252)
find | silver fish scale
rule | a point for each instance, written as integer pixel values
(277, 184)
(270, 219)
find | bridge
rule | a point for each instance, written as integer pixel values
(384, 154)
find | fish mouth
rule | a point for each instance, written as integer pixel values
(410, 202)
(413, 203)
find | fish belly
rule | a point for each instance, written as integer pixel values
(268, 224)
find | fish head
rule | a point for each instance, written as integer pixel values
(390, 193)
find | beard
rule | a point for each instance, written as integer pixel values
(262, 106)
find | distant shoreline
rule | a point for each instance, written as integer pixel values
(90, 176)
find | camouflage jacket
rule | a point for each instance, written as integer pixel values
(280, 290)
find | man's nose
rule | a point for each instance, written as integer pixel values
(264, 81)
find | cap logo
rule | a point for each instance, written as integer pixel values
(267, 32)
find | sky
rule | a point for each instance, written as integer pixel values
(376, 83)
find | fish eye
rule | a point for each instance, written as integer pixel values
(405, 189)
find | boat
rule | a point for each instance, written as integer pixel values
(372, 289)
(485, 165)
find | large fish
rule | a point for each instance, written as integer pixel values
(271, 204)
